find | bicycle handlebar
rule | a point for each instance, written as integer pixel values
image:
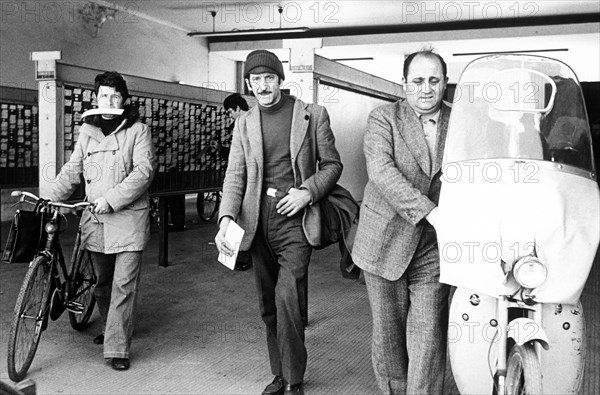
(75, 206)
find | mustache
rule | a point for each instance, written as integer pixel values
(265, 93)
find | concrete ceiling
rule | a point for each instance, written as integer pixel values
(247, 14)
(382, 32)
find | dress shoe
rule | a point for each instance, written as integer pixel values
(120, 363)
(99, 339)
(277, 387)
(294, 389)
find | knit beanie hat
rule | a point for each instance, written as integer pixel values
(263, 61)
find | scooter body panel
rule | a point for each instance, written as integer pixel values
(470, 336)
(563, 363)
(473, 343)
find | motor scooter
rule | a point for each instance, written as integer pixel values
(518, 226)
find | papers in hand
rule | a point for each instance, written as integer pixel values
(233, 235)
(100, 111)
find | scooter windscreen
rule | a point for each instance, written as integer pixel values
(518, 178)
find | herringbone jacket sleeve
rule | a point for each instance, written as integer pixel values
(384, 153)
(329, 164)
(235, 178)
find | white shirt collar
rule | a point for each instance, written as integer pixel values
(435, 117)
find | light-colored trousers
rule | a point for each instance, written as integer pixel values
(410, 322)
(116, 294)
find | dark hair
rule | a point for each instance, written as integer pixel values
(114, 80)
(426, 53)
(234, 101)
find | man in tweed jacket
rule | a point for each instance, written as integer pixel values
(396, 243)
(283, 160)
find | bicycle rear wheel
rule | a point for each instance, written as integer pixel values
(29, 315)
(81, 290)
(207, 204)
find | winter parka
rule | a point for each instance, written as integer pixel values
(119, 167)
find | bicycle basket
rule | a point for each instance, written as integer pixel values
(26, 236)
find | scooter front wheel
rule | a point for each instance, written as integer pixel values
(524, 374)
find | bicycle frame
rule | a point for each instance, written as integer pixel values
(53, 251)
(48, 289)
(60, 273)
(74, 257)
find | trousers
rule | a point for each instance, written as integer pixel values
(410, 324)
(116, 294)
(280, 256)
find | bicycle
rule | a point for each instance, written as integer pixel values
(49, 289)
(207, 204)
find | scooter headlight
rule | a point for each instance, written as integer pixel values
(530, 272)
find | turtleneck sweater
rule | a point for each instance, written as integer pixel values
(276, 125)
(109, 125)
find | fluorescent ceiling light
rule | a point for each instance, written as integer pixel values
(341, 59)
(510, 52)
(232, 33)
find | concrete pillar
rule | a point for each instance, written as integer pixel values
(300, 80)
(50, 114)
(51, 154)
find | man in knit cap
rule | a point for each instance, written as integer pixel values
(282, 161)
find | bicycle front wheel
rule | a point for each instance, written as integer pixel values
(81, 290)
(207, 204)
(29, 315)
(523, 374)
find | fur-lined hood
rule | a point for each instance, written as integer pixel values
(130, 114)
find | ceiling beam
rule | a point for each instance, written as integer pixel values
(423, 37)
(548, 20)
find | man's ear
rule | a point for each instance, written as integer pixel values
(248, 84)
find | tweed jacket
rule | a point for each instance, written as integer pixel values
(315, 162)
(403, 188)
(119, 167)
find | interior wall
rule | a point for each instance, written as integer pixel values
(129, 44)
(348, 113)
(349, 96)
(580, 51)
(221, 73)
(578, 45)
